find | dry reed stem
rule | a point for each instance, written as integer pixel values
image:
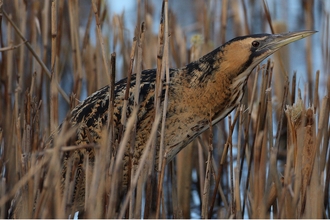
(164, 75)
(100, 38)
(118, 161)
(25, 119)
(223, 21)
(87, 31)
(208, 172)
(222, 162)
(76, 53)
(184, 167)
(259, 151)
(231, 170)
(309, 69)
(158, 87)
(129, 75)
(136, 213)
(246, 19)
(95, 206)
(268, 17)
(141, 165)
(28, 45)
(158, 90)
(250, 109)
(11, 47)
(281, 117)
(111, 141)
(201, 165)
(32, 171)
(151, 177)
(197, 45)
(237, 168)
(316, 98)
(160, 195)
(322, 132)
(111, 125)
(206, 189)
(54, 72)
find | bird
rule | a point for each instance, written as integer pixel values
(208, 88)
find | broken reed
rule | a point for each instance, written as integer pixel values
(267, 159)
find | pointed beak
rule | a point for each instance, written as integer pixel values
(277, 41)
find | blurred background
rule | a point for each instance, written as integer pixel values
(196, 28)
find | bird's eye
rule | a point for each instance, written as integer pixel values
(255, 43)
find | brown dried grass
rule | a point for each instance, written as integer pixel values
(239, 169)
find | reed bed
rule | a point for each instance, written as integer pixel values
(267, 159)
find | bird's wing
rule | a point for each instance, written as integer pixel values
(93, 111)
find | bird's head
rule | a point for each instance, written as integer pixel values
(242, 54)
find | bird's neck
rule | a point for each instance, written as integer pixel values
(210, 83)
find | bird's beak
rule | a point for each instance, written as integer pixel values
(279, 40)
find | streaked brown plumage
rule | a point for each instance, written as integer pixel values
(210, 87)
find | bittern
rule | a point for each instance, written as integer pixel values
(208, 88)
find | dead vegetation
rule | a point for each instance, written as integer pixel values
(268, 159)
